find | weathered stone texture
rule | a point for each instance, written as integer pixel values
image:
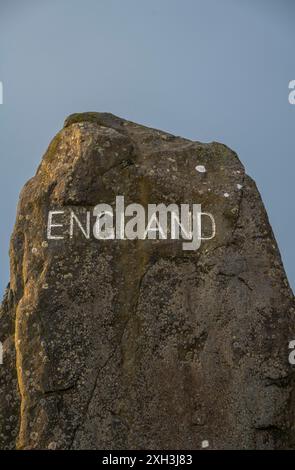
(139, 344)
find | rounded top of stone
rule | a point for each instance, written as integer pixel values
(102, 119)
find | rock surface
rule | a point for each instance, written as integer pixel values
(138, 344)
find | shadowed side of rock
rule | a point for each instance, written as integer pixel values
(138, 344)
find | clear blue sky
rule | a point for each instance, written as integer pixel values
(204, 69)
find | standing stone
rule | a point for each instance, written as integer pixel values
(138, 344)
